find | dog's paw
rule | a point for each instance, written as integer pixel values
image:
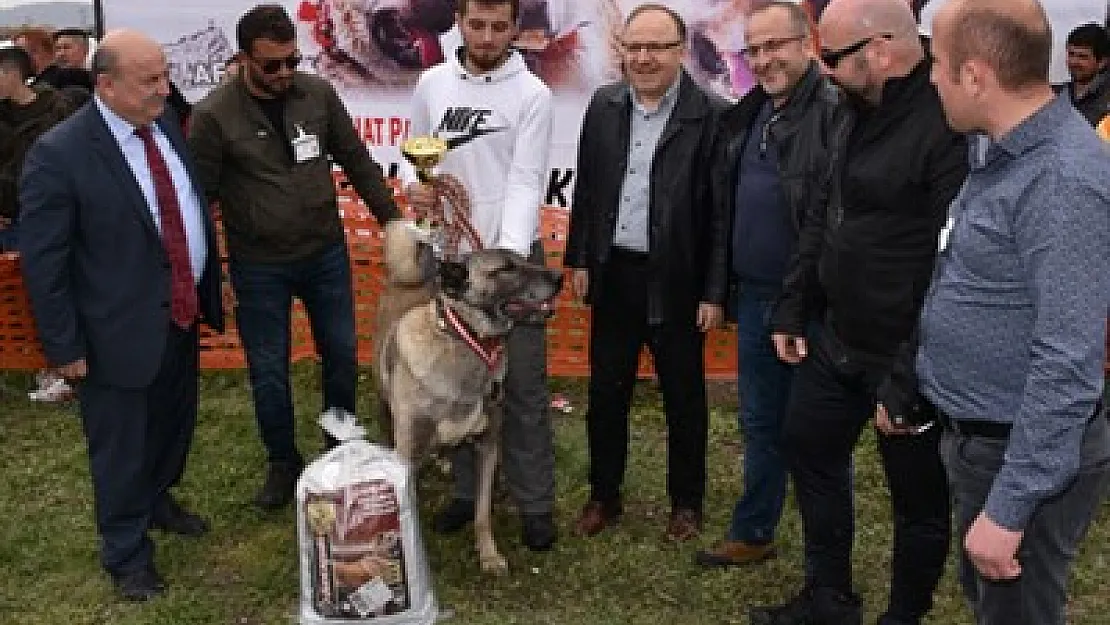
(494, 563)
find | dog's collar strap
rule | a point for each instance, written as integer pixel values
(489, 350)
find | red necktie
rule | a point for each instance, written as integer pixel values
(183, 290)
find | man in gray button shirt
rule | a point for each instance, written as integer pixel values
(647, 242)
(1012, 331)
(646, 126)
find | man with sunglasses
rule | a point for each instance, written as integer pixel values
(868, 255)
(781, 142)
(648, 246)
(261, 142)
(496, 117)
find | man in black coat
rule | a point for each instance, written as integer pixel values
(120, 262)
(780, 142)
(648, 244)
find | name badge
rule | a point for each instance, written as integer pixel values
(305, 146)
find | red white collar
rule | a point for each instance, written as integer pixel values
(490, 350)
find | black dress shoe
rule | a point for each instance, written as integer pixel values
(457, 515)
(281, 481)
(812, 605)
(537, 531)
(139, 585)
(170, 516)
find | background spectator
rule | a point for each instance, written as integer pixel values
(71, 48)
(1089, 88)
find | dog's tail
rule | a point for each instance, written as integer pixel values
(408, 257)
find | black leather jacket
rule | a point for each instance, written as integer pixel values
(869, 250)
(688, 222)
(809, 133)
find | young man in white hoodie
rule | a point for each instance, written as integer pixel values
(496, 118)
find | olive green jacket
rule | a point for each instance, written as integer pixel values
(274, 209)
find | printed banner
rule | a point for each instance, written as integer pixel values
(374, 50)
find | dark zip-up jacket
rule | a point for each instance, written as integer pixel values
(809, 133)
(870, 250)
(687, 222)
(274, 209)
(20, 126)
(1094, 104)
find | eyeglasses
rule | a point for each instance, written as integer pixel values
(273, 66)
(651, 47)
(832, 58)
(770, 46)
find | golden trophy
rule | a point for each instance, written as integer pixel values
(449, 218)
(424, 153)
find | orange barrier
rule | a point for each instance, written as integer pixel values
(567, 332)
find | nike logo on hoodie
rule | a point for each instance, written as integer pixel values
(463, 124)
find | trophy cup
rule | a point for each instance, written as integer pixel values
(424, 153)
(449, 218)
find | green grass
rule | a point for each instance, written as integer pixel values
(244, 572)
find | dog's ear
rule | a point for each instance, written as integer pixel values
(453, 277)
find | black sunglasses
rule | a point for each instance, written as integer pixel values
(832, 58)
(273, 66)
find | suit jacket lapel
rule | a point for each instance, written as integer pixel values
(172, 131)
(105, 145)
(686, 108)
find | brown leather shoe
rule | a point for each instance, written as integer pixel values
(733, 553)
(596, 516)
(684, 524)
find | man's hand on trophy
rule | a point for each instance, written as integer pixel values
(422, 199)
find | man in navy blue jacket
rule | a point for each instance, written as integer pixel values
(119, 259)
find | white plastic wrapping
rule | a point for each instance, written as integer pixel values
(361, 553)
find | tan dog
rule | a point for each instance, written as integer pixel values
(439, 353)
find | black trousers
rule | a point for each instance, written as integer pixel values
(619, 328)
(138, 440)
(831, 401)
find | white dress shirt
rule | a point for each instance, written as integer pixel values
(134, 152)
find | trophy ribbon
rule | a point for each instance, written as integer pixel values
(449, 218)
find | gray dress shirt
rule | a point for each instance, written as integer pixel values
(646, 128)
(1013, 327)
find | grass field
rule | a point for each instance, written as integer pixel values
(244, 572)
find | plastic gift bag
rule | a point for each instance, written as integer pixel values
(362, 556)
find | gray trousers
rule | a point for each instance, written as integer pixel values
(527, 439)
(1051, 538)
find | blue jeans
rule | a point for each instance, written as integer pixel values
(265, 292)
(764, 387)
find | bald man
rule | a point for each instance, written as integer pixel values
(119, 260)
(867, 256)
(1013, 326)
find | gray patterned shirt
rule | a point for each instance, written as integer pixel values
(1013, 327)
(646, 129)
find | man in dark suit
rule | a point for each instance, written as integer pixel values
(648, 245)
(120, 262)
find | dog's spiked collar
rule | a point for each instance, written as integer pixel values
(490, 350)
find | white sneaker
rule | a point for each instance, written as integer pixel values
(52, 388)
